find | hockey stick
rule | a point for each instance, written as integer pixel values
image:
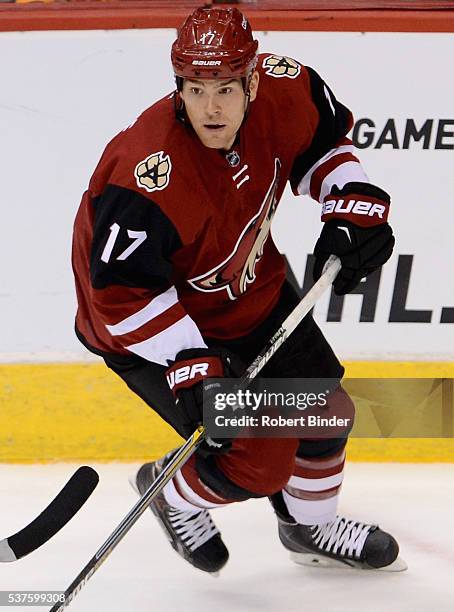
(59, 512)
(331, 269)
(133, 515)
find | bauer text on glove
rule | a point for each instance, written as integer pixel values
(357, 231)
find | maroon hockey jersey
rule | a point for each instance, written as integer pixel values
(172, 239)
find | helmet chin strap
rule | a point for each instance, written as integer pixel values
(248, 104)
(178, 104)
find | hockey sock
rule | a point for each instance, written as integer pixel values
(312, 493)
(187, 492)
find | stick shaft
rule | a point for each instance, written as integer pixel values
(179, 459)
(331, 270)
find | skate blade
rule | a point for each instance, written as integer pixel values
(314, 560)
(399, 565)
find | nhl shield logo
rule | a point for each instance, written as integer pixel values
(153, 173)
(233, 159)
(279, 66)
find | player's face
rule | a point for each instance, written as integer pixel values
(216, 108)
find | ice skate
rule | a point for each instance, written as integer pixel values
(341, 543)
(193, 535)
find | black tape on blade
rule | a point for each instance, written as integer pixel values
(59, 512)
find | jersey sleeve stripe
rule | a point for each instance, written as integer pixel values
(153, 309)
(155, 326)
(329, 166)
(164, 346)
(304, 184)
(345, 173)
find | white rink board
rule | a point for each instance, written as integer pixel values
(65, 94)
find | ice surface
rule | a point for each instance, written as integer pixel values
(414, 502)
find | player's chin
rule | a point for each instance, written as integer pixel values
(215, 142)
(215, 138)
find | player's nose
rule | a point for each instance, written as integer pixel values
(212, 107)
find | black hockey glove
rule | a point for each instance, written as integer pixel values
(357, 231)
(186, 376)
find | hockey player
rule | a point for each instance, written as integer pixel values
(174, 264)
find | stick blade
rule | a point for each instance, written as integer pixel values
(53, 518)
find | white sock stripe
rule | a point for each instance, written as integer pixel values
(176, 500)
(311, 512)
(315, 464)
(316, 484)
(154, 308)
(191, 495)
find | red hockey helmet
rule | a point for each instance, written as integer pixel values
(215, 44)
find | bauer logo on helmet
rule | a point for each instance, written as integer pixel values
(206, 63)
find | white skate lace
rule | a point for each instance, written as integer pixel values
(193, 528)
(342, 536)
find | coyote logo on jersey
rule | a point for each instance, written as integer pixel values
(278, 66)
(153, 173)
(238, 270)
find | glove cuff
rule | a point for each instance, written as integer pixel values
(360, 203)
(185, 374)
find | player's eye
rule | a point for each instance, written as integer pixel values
(225, 90)
(196, 91)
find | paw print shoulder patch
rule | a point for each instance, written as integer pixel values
(153, 173)
(279, 66)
